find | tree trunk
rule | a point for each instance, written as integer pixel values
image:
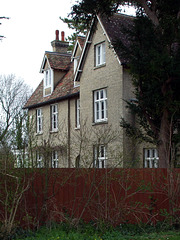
(164, 146)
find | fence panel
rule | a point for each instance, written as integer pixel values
(112, 195)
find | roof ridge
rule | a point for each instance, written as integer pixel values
(57, 53)
(79, 36)
(124, 15)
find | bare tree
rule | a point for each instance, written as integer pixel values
(13, 95)
(1, 36)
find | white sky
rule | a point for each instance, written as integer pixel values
(29, 33)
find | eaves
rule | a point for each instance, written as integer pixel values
(51, 101)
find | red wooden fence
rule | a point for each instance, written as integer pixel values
(112, 195)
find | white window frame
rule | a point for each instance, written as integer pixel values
(39, 160)
(54, 117)
(48, 80)
(76, 61)
(100, 52)
(39, 120)
(78, 113)
(100, 156)
(54, 160)
(151, 158)
(100, 105)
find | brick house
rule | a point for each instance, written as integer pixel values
(76, 109)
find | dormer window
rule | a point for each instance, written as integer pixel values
(47, 78)
(48, 82)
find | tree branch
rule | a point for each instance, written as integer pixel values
(151, 14)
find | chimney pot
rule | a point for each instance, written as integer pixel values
(57, 35)
(62, 36)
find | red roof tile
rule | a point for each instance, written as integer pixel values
(64, 89)
(58, 61)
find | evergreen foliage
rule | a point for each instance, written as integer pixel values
(153, 58)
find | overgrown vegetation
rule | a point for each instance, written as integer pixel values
(100, 232)
(106, 197)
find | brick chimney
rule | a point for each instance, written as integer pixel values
(59, 46)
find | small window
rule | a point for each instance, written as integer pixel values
(100, 54)
(39, 120)
(54, 117)
(48, 82)
(151, 158)
(100, 105)
(54, 162)
(100, 156)
(39, 160)
(78, 113)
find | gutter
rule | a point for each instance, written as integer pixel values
(52, 101)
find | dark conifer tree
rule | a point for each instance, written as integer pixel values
(153, 58)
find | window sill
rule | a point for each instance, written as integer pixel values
(99, 123)
(54, 131)
(76, 84)
(39, 133)
(99, 66)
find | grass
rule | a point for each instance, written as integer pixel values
(88, 232)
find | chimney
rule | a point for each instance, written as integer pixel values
(57, 35)
(62, 36)
(59, 46)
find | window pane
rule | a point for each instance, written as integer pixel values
(39, 112)
(46, 78)
(49, 71)
(103, 165)
(54, 117)
(97, 95)
(102, 110)
(104, 53)
(100, 156)
(102, 93)
(151, 158)
(78, 113)
(102, 152)
(99, 55)
(100, 105)
(97, 110)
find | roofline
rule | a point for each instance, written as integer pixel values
(84, 48)
(75, 48)
(52, 101)
(86, 42)
(43, 63)
(45, 58)
(99, 19)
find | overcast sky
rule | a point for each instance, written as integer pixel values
(29, 32)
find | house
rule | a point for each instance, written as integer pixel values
(76, 110)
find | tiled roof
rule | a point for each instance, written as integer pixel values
(64, 89)
(114, 27)
(58, 61)
(81, 41)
